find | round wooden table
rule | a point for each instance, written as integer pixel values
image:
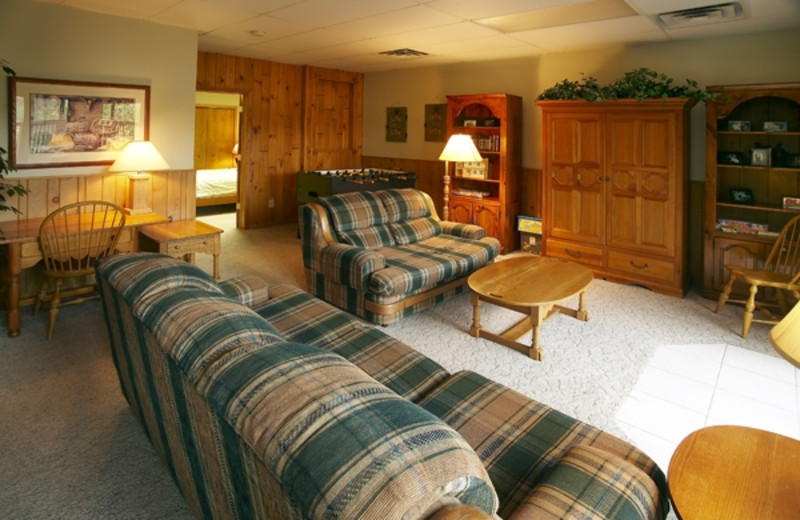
(734, 472)
(532, 285)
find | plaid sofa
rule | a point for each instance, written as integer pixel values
(266, 402)
(385, 254)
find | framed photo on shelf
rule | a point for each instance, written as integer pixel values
(776, 126)
(69, 123)
(742, 196)
(760, 156)
(738, 126)
(473, 170)
(791, 202)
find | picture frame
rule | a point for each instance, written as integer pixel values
(470, 122)
(760, 156)
(776, 126)
(396, 124)
(742, 196)
(473, 170)
(791, 202)
(436, 122)
(738, 126)
(54, 123)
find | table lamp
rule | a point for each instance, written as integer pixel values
(459, 148)
(138, 157)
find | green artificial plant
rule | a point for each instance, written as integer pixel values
(8, 190)
(639, 84)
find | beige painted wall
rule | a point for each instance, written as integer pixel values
(760, 58)
(48, 41)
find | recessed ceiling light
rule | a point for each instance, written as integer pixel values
(404, 52)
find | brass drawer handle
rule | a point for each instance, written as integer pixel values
(638, 266)
(573, 254)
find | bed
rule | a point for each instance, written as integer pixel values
(217, 187)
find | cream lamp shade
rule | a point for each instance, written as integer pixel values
(138, 157)
(459, 148)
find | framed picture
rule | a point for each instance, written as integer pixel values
(760, 156)
(776, 126)
(470, 122)
(69, 123)
(396, 124)
(742, 196)
(791, 202)
(435, 122)
(739, 126)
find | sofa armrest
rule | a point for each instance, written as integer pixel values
(595, 483)
(471, 231)
(461, 512)
(350, 265)
(247, 290)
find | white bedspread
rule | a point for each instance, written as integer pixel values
(216, 183)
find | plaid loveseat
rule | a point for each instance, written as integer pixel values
(385, 254)
(268, 403)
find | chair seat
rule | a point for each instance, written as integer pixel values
(760, 276)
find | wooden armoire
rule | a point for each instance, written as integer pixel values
(615, 189)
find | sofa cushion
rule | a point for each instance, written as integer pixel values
(136, 279)
(302, 318)
(519, 439)
(409, 215)
(358, 219)
(343, 445)
(428, 263)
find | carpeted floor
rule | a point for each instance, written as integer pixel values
(71, 448)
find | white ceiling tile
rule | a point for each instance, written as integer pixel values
(475, 9)
(403, 20)
(324, 13)
(201, 15)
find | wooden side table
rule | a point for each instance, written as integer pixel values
(734, 472)
(182, 239)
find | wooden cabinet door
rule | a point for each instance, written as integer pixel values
(641, 204)
(216, 131)
(574, 146)
(460, 211)
(487, 216)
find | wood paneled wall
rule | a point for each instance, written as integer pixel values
(292, 115)
(172, 193)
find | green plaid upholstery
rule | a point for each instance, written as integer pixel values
(404, 204)
(358, 218)
(247, 290)
(254, 426)
(300, 317)
(591, 483)
(353, 272)
(160, 272)
(429, 263)
(520, 440)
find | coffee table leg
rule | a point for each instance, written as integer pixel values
(475, 330)
(538, 315)
(582, 314)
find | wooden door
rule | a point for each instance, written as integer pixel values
(216, 132)
(575, 206)
(333, 117)
(642, 183)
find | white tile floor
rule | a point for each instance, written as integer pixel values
(685, 388)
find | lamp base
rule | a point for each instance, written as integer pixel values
(138, 188)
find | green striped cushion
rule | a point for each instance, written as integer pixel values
(591, 483)
(136, 279)
(358, 219)
(404, 204)
(410, 231)
(519, 439)
(343, 445)
(428, 263)
(247, 290)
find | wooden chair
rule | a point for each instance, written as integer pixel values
(785, 336)
(781, 270)
(72, 239)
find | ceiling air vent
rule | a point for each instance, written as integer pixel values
(404, 52)
(701, 15)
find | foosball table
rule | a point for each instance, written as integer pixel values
(321, 183)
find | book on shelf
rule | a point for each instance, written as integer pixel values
(741, 226)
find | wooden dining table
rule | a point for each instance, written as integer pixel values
(21, 238)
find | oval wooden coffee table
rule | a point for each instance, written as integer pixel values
(532, 285)
(735, 472)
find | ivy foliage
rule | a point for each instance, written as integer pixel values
(640, 84)
(8, 190)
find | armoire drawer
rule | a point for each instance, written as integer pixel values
(641, 266)
(581, 253)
